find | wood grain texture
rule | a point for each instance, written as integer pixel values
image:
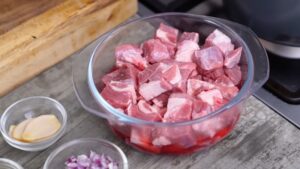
(261, 140)
(44, 40)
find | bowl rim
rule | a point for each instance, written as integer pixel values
(34, 145)
(243, 93)
(81, 140)
(11, 163)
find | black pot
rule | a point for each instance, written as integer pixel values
(276, 22)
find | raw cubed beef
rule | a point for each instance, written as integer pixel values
(179, 108)
(141, 135)
(232, 58)
(195, 86)
(186, 50)
(145, 111)
(186, 69)
(211, 97)
(224, 81)
(167, 34)
(154, 88)
(209, 58)
(161, 100)
(214, 74)
(128, 53)
(219, 39)
(208, 127)
(181, 136)
(234, 74)
(193, 36)
(155, 51)
(153, 72)
(172, 74)
(119, 93)
(120, 74)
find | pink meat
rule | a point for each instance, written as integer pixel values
(213, 74)
(145, 111)
(234, 74)
(192, 36)
(195, 86)
(141, 135)
(153, 72)
(123, 73)
(167, 34)
(119, 93)
(172, 74)
(154, 88)
(232, 58)
(209, 58)
(132, 54)
(224, 81)
(211, 97)
(219, 39)
(161, 100)
(155, 51)
(186, 50)
(179, 108)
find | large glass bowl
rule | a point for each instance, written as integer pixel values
(182, 138)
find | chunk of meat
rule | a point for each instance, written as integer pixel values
(155, 51)
(195, 86)
(179, 108)
(211, 97)
(224, 81)
(182, 136)
(119, 93)
(186, 50)
(234, 74)
(141, 135)
(154, 88)
(232, 58)
(186, 70)
(167, 34)
(193, 36)
(214, 74)
(132, 54)
(161, 100)
(153, 72)
(209, 58)
(123, 73)
(172, 74)
(219, 39)
(208, 127)
(145, 111)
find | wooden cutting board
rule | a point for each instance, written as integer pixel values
(36, 34)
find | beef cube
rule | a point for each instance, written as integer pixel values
(167, 34)
(224, 81)
(128, 53)
(234, 74)
(193, 36)
(211, 97)
(172, 74)
(154, 88)
(219, 39)
(145, 111)
(232, 58)
(179, 108)
(161, 100)
(214, 74)
(209, 58)
(186, 69)
(153, 72)
(181, 136)
(195, 86)
(119, 93)
(123, 73)
(141, 135)
(186, 50)
(155, 51)
(227, 87)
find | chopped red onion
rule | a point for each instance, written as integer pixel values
(94, 161)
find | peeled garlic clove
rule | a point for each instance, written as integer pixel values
(41, 127)
(11, 130)
(19, 129)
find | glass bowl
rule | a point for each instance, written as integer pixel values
(9, 164)
(28, 108)
(182, 137)
(60, 155)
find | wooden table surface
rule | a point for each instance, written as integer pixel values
(261, 140)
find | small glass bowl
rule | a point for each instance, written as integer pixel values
(28, 108)
(9, 164)
(60, 155)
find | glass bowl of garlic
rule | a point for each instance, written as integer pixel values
(33, 123)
